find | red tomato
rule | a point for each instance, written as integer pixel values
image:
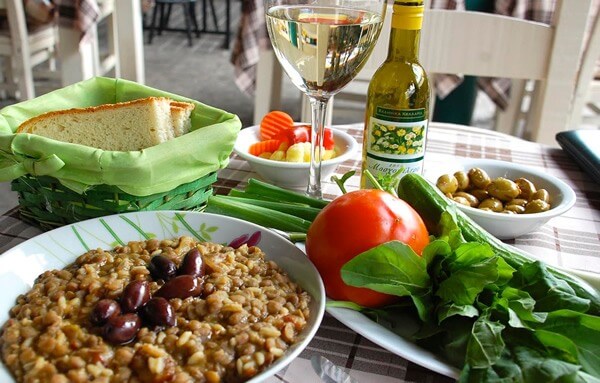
(328, 139)
(356, 222)
(294, 135)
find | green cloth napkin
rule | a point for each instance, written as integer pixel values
(206, 148)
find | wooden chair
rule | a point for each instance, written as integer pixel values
(587, 92)
(482, 44)
(106, 62)
(23, 50)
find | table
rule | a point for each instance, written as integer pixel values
(572, 240)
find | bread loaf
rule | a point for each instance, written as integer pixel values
(124, 126)
(180, 117)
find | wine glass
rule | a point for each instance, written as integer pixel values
(322, 45)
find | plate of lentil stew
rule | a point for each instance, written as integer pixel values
(156, 296)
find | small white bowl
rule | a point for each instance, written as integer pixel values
(508, 226)
(292, 174)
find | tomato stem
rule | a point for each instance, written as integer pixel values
(341, 181)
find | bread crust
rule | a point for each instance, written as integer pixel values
(26, 126)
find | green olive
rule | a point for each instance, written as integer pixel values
(480, 194)
(517, 201)
(447, 183)
(463, 180)
(541, 194)
(508, 212)
(461, 200)
(473, 202)
(479, 178)
(515, 208)
(526, 187)
(537, 206)
(503, 189)
(449, 195)
(492, 203)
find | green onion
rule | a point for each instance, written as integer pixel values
(257, 214)
(268, 191)
(302, 211)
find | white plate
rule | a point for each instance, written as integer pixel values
(393, 342)
(402, 346)
(21, 265)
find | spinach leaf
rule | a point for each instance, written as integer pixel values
(583, 330)
(450, 232)
(486, 344)
(538, 367)
(518, 306)
(549, 292)
(448, 310)
(505, 370)
(467, 280)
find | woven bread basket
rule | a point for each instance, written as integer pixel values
(61, 183)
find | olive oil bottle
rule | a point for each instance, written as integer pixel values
(397, 109)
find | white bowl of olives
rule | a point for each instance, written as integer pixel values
(508, 200)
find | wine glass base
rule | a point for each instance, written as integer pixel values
(314, 192)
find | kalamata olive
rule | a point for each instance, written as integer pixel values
(515, 208)
(480, 194)
(122, 329)
(192, 264)
(162, 267)
(182, 286)
(158, 312)
(478, 178)
(447, 183)
(541, 194)
(473, 202)
(526, 187)
(135, 295)
(461, 200)
(491, 203)
(463, 180)
(537, 206)
(103, 311)
(503, 189)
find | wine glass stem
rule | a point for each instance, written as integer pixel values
(319, 114)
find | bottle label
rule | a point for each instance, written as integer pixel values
(396, 140)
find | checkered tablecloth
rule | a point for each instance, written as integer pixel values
(572, 240)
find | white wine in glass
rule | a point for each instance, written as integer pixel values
(322, 46)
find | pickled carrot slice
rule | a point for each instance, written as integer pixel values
(260, 147)
(273, 123)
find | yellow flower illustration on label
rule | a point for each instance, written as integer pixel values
(391, 139)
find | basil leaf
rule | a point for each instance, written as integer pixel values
(390, 268)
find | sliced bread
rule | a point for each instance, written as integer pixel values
(180, 117)
(124, 126)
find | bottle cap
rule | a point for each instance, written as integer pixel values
(408, 16)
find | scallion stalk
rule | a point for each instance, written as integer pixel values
(257, 214)
(302, 211)
(274, 192)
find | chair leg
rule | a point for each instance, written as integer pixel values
(188, 23)
(204, 23)
(214, 14)
(161, 24)
(153, 23)
(194, 18)
(168, 15)
(227, 23)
